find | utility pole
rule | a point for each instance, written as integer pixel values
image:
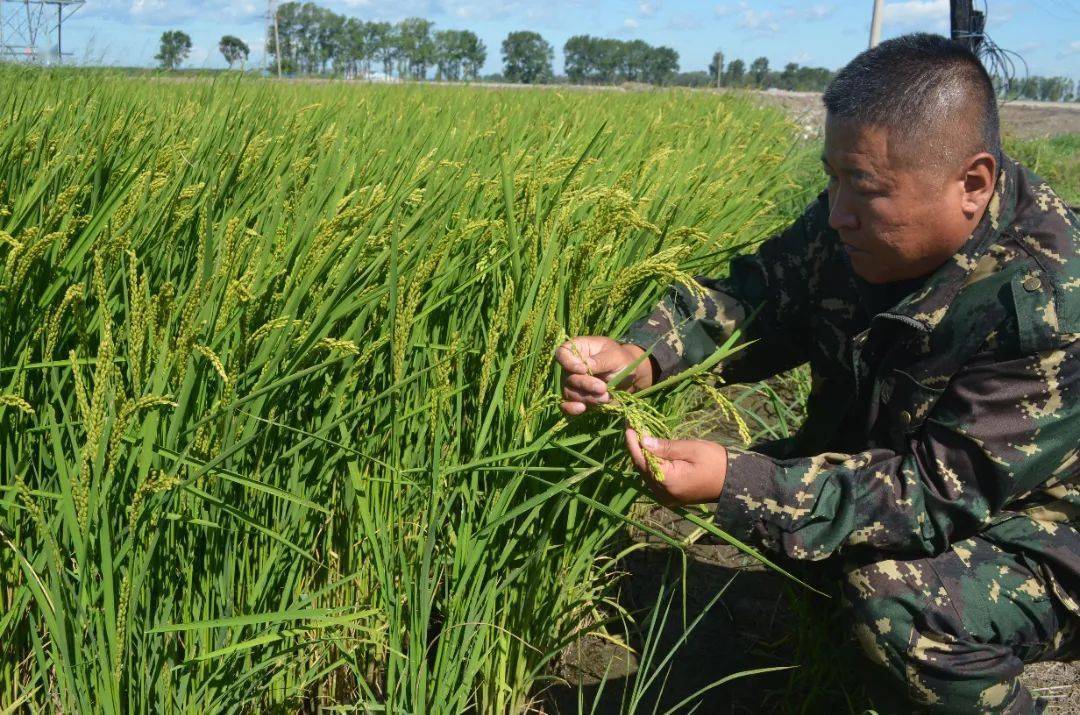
(967, 24)
(875, 23)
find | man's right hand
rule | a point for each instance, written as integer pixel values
(589, 362)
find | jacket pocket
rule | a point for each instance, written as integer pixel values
(906, 403)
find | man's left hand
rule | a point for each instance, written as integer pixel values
(694, 470)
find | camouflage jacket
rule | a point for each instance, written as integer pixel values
(955, 412)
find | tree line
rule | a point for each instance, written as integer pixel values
(309, 39)
(1035, 87)
(599, 60)
(759, 75)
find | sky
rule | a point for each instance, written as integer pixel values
(1045, 32)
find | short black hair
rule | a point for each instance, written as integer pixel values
(918, 86)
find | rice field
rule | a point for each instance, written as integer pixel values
(277, 400)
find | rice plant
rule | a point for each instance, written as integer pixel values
(276, 380)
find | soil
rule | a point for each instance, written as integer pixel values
(752, 625)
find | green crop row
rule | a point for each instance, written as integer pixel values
(277, 410)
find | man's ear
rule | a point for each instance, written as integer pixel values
(979, 177)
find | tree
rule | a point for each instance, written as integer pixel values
(355, 49)
(759, 71)
(282, 44)
(788, 76)
(736, 71)
(416, 46)
(473, 54)
(634, 60)
(449, 54)
(607, 59)
(526, 58)
(458, 53)
(233, 49)
(577, 58)
(175, 48)
(716, 67)
(331, 40)
(383, 41)
(599, 60)
(661, 65)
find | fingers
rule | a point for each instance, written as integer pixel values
(673, 449)
(568, 356)
(575, 355)
(636, 455)
(580, 388)
(608, 362)
(586, 389)
(592, 355)
(659, 491)
(573, 409)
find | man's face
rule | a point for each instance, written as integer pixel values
(897, 219)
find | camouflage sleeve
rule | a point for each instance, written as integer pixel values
(691, 322)
(1001, 429)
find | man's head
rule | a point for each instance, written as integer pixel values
(911, 149)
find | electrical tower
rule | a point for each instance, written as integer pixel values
(24, 24)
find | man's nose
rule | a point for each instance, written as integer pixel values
(841, 217)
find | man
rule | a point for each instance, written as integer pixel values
(934, 289)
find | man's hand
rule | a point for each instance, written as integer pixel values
(589, 362)
(694, 470)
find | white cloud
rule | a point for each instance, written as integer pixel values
(683, 22)
(772, 22)
(810, 13)
(630, 24)
(156, 13)
(763, 21)
(818, 11)
(646, 9)
(922, 14)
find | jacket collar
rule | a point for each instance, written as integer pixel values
(925, 308)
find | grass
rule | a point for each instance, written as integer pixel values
(1056, 159)
(277, 425)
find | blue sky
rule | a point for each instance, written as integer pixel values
(1045, 32)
